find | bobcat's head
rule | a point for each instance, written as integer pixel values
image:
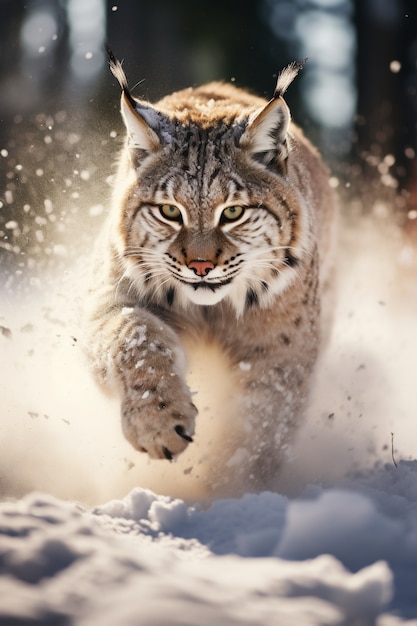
(207, 208)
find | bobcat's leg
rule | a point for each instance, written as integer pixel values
(272, 403)
(275, 371)
(138, 353)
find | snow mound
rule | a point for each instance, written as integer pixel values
(329, 557)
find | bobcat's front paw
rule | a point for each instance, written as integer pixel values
(159, 420)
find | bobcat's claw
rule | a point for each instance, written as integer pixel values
(167, 453)
(179, 429)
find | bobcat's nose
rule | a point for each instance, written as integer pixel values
(201, 268)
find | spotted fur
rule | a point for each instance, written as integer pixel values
(175, 262)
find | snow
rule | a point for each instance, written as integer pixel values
(94, 534)
(260, 559)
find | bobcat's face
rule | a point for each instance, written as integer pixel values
(200, 229)
(208, 209)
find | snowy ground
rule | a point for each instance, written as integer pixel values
(336, 545)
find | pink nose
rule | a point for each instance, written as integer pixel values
(201, 268)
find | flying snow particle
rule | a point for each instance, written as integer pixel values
(59, 250)
(96, 210)
(73, 138)
(6, 332)
(395, 67)
(11, 225)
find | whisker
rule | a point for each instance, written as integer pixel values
(139, 250)
(147, 273)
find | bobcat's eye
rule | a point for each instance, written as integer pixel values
(171, 212)
(231, 214)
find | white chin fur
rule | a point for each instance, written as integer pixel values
(205, 297)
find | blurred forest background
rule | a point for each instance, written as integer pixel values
(60, 129)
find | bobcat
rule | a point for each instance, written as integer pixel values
(221, 232)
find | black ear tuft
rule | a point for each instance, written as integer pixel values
(118, 72)
(287, 75)
(110, 55)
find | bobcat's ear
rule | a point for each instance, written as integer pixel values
(138, 121)
(266, 133)
(140, 118)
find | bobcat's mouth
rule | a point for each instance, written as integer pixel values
(205, 285)
(205, 292)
